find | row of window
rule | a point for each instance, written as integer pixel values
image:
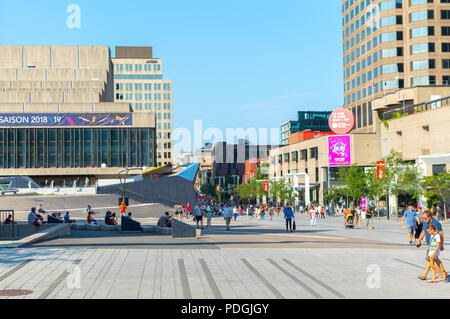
(363, 115)
(78, 147)
(142, 96)
(142, 86)
(138, 67)
(395, 68)
(395, 84)
(388, 37)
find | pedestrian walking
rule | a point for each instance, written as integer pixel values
(429, 220)
(369, 215)
(288, 216)
(433, 254)
(313, 216)
(409, 221)
(227, 213)
(235, 213)
(419, 223)
(198, 215)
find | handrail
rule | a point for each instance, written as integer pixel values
(417, 108)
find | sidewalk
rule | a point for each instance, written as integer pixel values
(388, 231)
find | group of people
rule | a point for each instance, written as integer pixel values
(422, 226)
(354, 215)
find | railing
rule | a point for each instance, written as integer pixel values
(4, 214)
(414, 109)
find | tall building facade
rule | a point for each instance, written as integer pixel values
(138, 80)
(390, 45)
(58, 119)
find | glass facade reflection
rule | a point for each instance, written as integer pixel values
(76, 147)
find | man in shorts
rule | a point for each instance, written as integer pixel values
(410, 217)
(198, 215)
(369, 215)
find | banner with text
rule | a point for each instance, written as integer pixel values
(339, 152)
(65, 119)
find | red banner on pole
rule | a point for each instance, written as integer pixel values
(381, 170)
(218, 187)
(266, 186)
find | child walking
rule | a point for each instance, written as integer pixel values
(208, 220)
(434, 253)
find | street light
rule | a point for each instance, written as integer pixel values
(126, 171)
(385, 159)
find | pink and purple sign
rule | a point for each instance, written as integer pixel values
(363, 203)
(339, 152)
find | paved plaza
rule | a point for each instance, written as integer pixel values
(257, 259)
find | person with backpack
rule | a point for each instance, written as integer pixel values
(288, 216)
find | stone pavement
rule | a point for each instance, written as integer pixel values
(256, 259)
(259, 273)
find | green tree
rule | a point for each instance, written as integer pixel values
(438, 185)
(353, 181)
(401, 176)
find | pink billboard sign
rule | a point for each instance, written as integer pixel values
(339, 152)
(363, 203)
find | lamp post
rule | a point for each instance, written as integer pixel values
(385, 159)
(123, 183)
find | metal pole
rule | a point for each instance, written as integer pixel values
(387, 193)
(12, 230)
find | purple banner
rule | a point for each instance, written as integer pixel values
(339, 150)
(65, 119)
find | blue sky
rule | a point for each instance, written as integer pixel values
(234, 63)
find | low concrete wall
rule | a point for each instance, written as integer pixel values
(20, 230)
(183, 230)
(164, 190)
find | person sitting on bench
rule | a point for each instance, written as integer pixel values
(8, 220)
(33, 219)
(107, 217)
(164, 221)
(91, 219)
(67, 219)
(128, 216)
(112, 219)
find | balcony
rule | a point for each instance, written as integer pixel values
(414, 109)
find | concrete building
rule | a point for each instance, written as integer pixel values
(230, 159)
(390, 45)
(311, 157)
(58, 117)
(138, 79)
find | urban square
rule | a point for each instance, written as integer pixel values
(225, 151)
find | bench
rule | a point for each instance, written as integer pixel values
(54, 220)
(129, 225)
(110, 227)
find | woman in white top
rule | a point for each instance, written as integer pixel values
(313, 216)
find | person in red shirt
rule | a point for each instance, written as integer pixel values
(122, 208)
(90, 219)
(188, 210)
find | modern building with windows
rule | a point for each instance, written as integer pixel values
(389, 45)
(316, 121)
(138, 79)
(58, 119)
